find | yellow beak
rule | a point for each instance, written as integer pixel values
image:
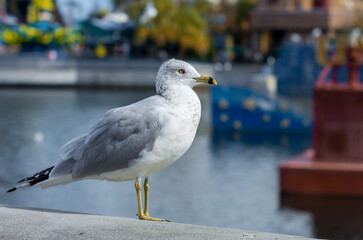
(206, 79)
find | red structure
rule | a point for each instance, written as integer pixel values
(335, 164)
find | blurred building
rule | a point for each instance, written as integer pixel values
(273, 21)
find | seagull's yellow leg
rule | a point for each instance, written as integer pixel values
(140, 212)
(138, 194)
(146, 192)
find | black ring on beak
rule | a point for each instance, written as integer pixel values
(210, 80)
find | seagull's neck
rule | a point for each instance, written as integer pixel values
(180, 94)
(185, 99)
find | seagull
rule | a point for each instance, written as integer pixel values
(134, 141)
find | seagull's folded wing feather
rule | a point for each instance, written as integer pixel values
(112, 144)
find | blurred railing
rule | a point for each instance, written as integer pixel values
(345, 56)
(30, 70)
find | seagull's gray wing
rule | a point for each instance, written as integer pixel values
(113, 143)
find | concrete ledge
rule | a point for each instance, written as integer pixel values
(18, 223)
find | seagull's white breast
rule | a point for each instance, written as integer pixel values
(179, 116)
(177, 135)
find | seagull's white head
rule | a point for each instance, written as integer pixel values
(176, 73)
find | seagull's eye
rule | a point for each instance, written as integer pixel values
(181, 71)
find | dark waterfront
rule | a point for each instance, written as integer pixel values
(225, 179)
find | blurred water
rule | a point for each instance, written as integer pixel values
(225, 180)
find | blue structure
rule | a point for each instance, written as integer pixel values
(297, 69)
(239, 109)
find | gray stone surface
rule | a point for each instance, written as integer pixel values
(16, 223)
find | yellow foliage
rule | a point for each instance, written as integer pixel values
(100, 51)
(32, 14)
(39, 5)
(46, 38)
(181, 24)
(142, 33)
(45, 5)
(64, 35)
(59, 35)
(27, 33)
(11, 37)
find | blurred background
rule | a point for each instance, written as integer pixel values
(63, 63)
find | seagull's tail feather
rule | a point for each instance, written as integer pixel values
(35, 179)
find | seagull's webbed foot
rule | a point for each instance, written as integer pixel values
(144, 215)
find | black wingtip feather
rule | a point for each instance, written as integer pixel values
(36, 178)
(11, 190)
(22, 180)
